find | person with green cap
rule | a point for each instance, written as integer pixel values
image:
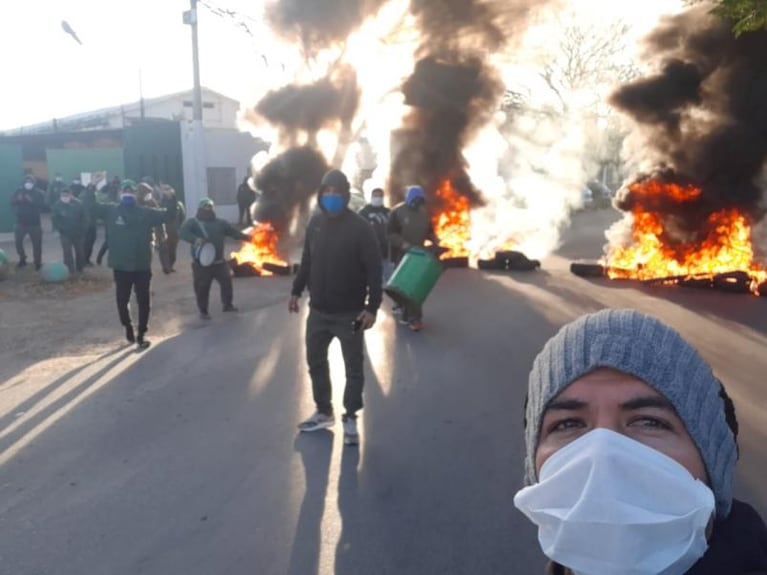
(631, 452)
(205, 227)
(69, 219)
(129, 229)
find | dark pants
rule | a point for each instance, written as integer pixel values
(244, 216)
(90, 239)
(72, 248)
(321, 328)
(138, 281)
(102, 251)
(172, 242)
(35, 234)
(203, 278)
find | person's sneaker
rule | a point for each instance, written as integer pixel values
(141, 343)
(230, 308)
(129, 335)
(396, 309)
(416, 325)
(204, 315)
(351, 436)
(21, 264)
(317, 421)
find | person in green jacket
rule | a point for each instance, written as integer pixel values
(206, 227)
(70, 221)
(129, 229)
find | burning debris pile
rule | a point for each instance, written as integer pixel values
(704, 123)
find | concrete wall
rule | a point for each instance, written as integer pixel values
(227, 156)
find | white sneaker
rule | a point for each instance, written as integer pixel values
(351, 436)
(317, 421)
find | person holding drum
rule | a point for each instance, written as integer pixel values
(129, 228)
(341, 265)
(207, 234)
(409, 227)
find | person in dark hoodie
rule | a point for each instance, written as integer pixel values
(341, 265)
(129, 228)
(631, 452)
(29, 202)
(206, 227)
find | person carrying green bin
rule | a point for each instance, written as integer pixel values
(409, 227)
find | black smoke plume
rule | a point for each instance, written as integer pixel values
(319, 23)
(305, 109)
(453, 91)
(288, 182)
(704, 115)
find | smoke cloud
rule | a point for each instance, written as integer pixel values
(702, 116)
(454, 91)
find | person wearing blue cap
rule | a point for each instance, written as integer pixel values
(631, 451)
(410, 226)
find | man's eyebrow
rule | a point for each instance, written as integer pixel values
(566, 405)
(648, 401)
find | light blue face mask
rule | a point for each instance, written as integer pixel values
(332, 203)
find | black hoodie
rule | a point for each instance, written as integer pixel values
(341, 264)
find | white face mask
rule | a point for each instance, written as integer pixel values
(376, 201)
(28, 185)
(66, 199)
(608, 504)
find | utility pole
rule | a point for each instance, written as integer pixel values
(194, 154)
(197, 100)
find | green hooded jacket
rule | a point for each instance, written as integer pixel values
(129, 229)
(69, 219)
(214, 231)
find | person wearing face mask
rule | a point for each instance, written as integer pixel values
(129, 229)
(410, 226)
(206, 227)
(176, 216)
(377, 215)
(341, 265)
(631, 451)
(69, 219)
(29, 202)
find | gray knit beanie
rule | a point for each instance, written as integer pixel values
(642, 346)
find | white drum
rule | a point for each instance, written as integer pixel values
(204, 254)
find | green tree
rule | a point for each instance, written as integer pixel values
(747, 15)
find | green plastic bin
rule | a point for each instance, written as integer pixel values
(415, 276)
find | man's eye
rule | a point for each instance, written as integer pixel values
(652, 422)
(565, 424)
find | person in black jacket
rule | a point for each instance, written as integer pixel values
(341, 265)
(631, 453)
(29, 202)
(245, 198)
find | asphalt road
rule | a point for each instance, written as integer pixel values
(186, 459)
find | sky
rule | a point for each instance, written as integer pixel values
(134, 45)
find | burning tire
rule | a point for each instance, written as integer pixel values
(457, 262)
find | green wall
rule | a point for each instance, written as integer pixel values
(71, 161)
(11, 175)
(154, 149)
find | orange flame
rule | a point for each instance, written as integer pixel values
(452, 224)
(260, 250)
(726, 246)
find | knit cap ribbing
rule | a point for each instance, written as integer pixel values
(642, 346)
